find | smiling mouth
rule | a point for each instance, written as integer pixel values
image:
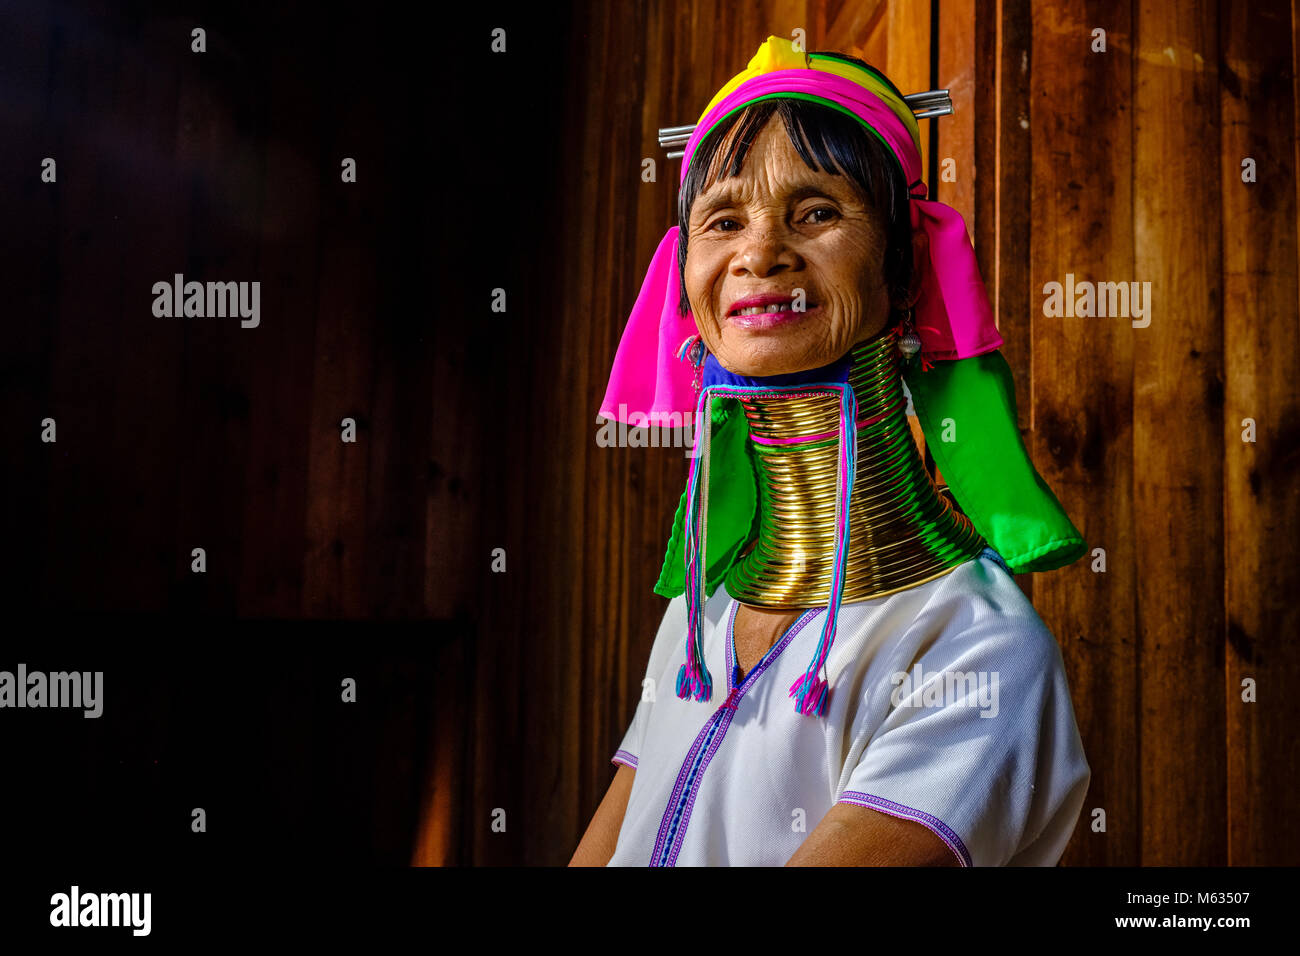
(769, 317)
(772, 307)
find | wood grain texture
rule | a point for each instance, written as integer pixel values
(996, 149)
(907, 59)
(1082, 395)
(1261, 355)
(1178, 405)
(954, 135)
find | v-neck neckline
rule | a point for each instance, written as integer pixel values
(769, 655)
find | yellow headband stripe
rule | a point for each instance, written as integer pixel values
(778, 53)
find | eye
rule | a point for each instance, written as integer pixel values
(721, 221)
(832, 213)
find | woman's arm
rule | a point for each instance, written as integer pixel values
(601, 838)
(850, 835)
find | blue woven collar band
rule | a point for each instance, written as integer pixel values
(837, 371)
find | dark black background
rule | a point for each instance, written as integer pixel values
(206, 704)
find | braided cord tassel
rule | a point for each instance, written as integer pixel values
(811, 693)
(693, 679)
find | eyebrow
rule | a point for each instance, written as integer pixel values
(728, 196)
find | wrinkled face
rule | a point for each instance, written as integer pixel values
(759, 237)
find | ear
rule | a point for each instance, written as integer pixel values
(920, 263)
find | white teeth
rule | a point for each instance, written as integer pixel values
(759, 309)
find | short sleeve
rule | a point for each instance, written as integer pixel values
(980, 745)
(672, 630)
(631, 743)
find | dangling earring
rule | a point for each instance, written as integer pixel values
(693, 350)
(909, 343)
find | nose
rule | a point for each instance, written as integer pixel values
(765, 250)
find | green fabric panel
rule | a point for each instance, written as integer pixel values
(987, 466)
(733, 504)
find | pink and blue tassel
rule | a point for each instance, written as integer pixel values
(811, 691)
(693, 679)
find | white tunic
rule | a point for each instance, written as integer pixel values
(948, 706)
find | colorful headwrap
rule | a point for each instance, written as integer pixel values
(985, 464)
(952, 313)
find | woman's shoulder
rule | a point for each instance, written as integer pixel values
(978, 612)
(973, 616)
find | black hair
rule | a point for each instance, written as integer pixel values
(826, 139)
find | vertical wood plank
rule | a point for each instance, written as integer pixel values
(347, 346)
(907, 59)
(1002, 195)
(286, 209)
(1016, 298)
(1257, 97)
(956, 132)
(1082, 391)
(854, 27)
(1177, 436)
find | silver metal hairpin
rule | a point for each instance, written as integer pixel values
(924, 105)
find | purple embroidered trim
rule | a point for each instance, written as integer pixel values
(719, 722)
(665, 824)
(934, 824)
(731, 646)
(625, 758)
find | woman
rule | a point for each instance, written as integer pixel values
(812, 556)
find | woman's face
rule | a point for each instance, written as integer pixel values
(772, 230)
